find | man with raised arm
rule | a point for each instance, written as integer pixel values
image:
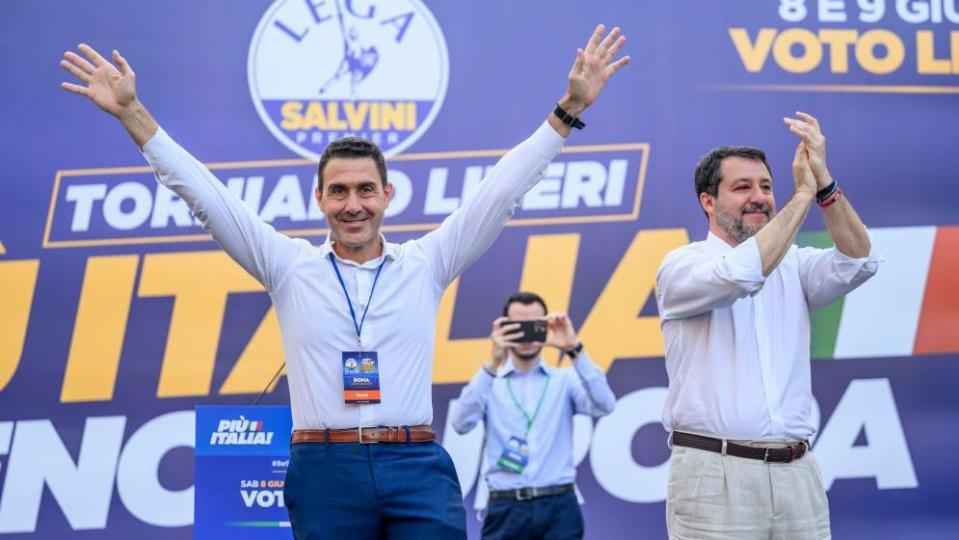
(734, 312)
(357, 313)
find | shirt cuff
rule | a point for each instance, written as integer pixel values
(850, 267)
(158, 144)
(744, 265)
(548, 143)
(584, 365)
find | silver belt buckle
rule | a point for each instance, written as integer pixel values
(360, 430)
(524, 494)
(766, 455)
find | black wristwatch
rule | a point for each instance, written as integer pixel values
(567, 118)
(574, 352)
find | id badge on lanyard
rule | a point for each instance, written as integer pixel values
(515, 455)
(361, 369)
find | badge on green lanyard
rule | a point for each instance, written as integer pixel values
(515, 454)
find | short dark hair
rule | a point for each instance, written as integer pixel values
(351, 148)
(708, 174)
(525, 298)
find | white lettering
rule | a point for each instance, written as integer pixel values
(113, 211)
(611, 457)
(83, 489)
(84, 196)
(867, 406)
(138, 482)
(285, 201)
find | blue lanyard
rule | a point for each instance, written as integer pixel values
(359, 327)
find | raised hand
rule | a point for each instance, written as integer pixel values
(593, 68)
(502, 336)
(803, 175)
(560, 332)
(806, 127)
(113, 89)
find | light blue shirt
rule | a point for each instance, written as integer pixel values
(581, 389)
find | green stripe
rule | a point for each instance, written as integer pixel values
(271, 524)
(824, 323)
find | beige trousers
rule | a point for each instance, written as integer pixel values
(711, 496)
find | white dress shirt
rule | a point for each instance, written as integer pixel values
(737, 344)
(310, 305)
(581, 389)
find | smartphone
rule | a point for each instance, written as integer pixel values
(532, 330)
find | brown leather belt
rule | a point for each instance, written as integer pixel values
(722, 446)
(370, 435)
(527, 493)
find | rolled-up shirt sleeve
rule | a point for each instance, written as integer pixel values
(828, 274)
(691, 282)
(251, 242)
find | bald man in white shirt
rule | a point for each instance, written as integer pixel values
(734, 312)
(359, 365)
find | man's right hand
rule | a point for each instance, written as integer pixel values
(502, 336)
(112, 88)
(803, 175)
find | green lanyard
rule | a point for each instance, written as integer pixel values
(529, 419)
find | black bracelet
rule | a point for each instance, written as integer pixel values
(827, 191)
(567, 118)
(574, 352)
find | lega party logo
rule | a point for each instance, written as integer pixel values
(322, 70)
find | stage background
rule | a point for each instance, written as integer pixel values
(119, 315)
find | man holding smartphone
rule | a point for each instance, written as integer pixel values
(528, 410)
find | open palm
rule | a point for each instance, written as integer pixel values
(111, 88)
(595, 65)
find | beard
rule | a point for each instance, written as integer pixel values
(532, 355)
(733, 224)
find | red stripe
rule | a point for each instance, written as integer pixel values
(939, 319)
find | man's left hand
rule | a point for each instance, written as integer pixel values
(806, 127)
(560, 332)
(592, 69)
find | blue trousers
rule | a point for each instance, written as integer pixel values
(373, 491)
(547, 518)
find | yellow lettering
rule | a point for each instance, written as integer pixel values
(199, 282)
(954, 49)
(99, 329)
(333, 116)
(805, 62)
(291, 115)
(926, 61)
(613, 329)
(865, 53)
(315, 117)
(838, 41)
(391, 116)
(411, 115)
(753, 55)
(356, 116)
(259, 361)
(17, 282)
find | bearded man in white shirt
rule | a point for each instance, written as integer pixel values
(734, 312)
(359, 367)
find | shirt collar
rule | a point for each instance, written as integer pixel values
(390, 251)
(540, 367)
(717, 243)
